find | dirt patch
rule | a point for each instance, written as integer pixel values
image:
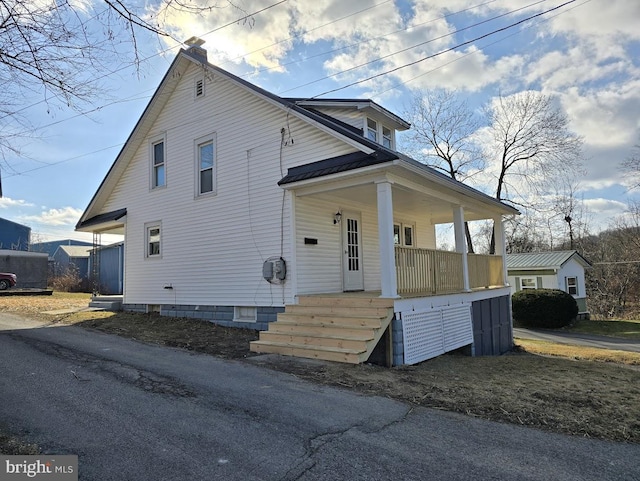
(577, 397)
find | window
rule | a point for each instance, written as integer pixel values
(403, 235)
(408, 235)
(244, 314)
(205, 152)
(153, 240)
(528, 283)
(158, 177)
(372, 130)
(572, 285)
(199, 90)
(386, 137)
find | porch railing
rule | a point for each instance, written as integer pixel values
(485, 271)
(427, 271)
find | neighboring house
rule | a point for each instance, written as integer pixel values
(14, 236)
(50, 247)
(562, 270)
(236, 204)
(72, 257)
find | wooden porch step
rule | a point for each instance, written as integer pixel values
(333, 328)
(298, 339)
(338, 311)
(345, 301)
(338, 332)
(350, 356)
(324, 319)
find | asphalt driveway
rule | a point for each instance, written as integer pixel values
(134, 411)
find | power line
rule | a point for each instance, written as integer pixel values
(334, 90)
(415, 46)
(483, 48)
(442, 52)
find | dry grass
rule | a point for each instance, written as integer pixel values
(564, 393)
(616, 328)
(545, 348)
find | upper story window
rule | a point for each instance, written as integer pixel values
(379, 133)
(206, 165)
(158, 174)
(372, 130)
(387, 137)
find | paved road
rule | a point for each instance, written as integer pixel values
(588, 340)
(133, 411)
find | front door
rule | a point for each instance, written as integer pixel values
(353, 279)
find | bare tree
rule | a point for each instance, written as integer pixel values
(443, 136)
(631, 167)
(61, 50)
(614, 281)
(530, 142)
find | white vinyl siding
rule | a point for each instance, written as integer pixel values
(349, 116)
(213, 248)
(319, 265)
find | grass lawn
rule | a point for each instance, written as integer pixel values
(615, 328)
(565, 389)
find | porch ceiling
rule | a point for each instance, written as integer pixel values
(412, 202)
(416, 190)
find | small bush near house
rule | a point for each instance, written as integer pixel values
(70, 281)
(545, 308)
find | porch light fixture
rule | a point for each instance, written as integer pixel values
(337, 217)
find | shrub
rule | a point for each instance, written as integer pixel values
(545, 308)
(70, 281)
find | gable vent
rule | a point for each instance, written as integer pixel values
(199, 87)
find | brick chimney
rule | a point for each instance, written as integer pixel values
(195, 47)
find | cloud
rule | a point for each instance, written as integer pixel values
(606, 117)
(605, 206)
(55, 217)
(7, 202)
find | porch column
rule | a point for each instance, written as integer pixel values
(388, 279)
(461, 244)
(501, 246)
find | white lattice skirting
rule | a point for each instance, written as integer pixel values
(432, 332)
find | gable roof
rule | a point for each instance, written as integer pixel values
(75, 251)
(544, 260)
(375, 153)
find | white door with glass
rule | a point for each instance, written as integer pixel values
(353, 279)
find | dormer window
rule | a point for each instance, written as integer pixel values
(372, 130)
(379, 133)
(386, 137)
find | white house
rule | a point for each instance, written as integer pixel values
(236, 203)
(562, 270)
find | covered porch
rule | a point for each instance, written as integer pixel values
(368, 234)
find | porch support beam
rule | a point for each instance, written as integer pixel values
(461, 244)
(388, 281)
(501, 246)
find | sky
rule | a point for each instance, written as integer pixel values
(584, 53)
